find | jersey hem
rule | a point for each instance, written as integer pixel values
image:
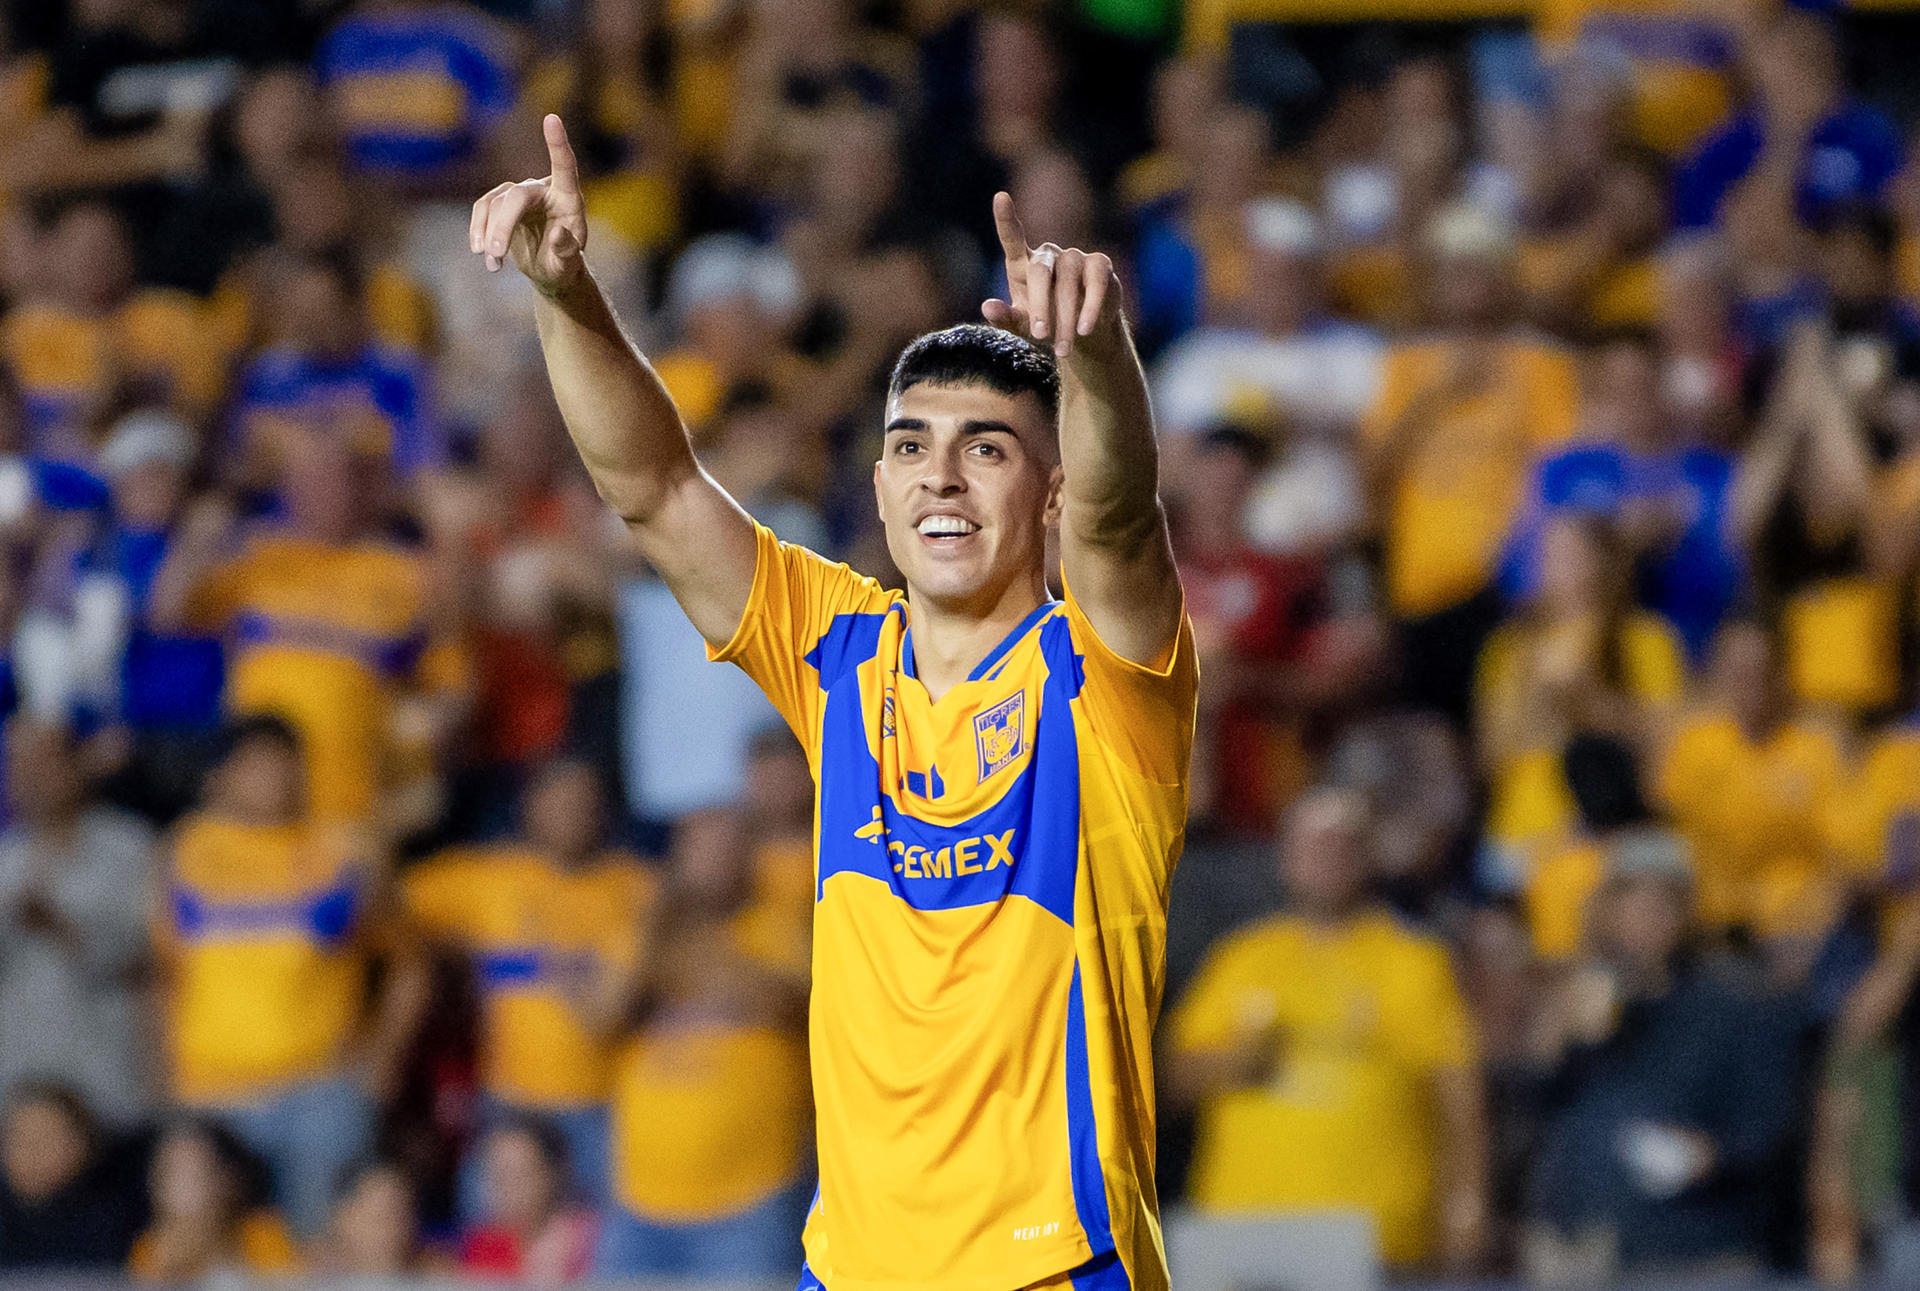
(1021, 1277)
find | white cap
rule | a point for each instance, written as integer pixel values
(1282, 226)
(144, 437)
(725, 266)
(1464, 231)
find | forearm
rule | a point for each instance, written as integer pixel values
(1464, 1156)
(1107, 449)
(1840, 470)
(620, 416)
(1760, 481)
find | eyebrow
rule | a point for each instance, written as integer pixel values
(971, 426)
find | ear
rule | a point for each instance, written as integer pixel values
(1056, 495)
(879, 495)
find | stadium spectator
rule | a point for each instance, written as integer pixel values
(74, 883)
(1749, 781)
(64, 1206)
(414, 86)
(1579, 657)
(710, 1110)
(1286, 365)
(326, 623)
(205, 1218)
(1446, 448)
(528, 1232)
(268, 923)
(1274, 650)
(1333, 1060)
(550, 922)
(1799, 504)
(1667, 499)
(325, 376)
(1669, 1089)
(1561, 870)
(86, 649)
(375, 1228)
(1804, 135)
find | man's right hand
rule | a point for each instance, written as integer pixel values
(541, 223)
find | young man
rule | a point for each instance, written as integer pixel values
(1001, 777)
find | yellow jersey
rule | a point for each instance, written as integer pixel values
(1457, 489)
(1748, 808)
(266, 931)
(710, 1116)
(989, 932)
(325, 636)
(539, 937)
(712, 1109)
(1369, 1011)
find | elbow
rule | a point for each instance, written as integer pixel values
(1123, 528)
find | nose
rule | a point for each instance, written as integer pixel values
(943, 477)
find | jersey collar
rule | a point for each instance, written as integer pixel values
(994, 656)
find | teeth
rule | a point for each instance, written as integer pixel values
(944, 526)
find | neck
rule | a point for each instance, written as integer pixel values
(949, 641)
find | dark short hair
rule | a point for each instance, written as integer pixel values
(975, 354)
(270, 728)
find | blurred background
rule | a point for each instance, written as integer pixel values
(388, 888)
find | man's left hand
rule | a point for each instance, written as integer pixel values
(1055, 293)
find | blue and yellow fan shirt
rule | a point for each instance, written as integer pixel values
(989, 932)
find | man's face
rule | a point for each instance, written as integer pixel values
(1642, 921)
(41, 1149)
(565, 816)
(968, 483)
(1323, 853)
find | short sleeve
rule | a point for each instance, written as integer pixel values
(1143, 714)
(803, 619)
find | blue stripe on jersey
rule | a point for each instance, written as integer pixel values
(1083, 1141)
(327, 916)
(848, 642)
(1007, 642)
(503, 968)
(1102, 1273)
(1063, 664)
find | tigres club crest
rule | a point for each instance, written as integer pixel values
(999, 734)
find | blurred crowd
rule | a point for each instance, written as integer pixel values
(387, 885)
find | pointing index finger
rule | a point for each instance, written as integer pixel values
(566, 168)
(1013, 237)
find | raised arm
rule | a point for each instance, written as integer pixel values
(624, 425)
(1114, 547)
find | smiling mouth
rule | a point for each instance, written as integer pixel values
(946, 527)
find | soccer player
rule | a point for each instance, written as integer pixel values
(1000, 777)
